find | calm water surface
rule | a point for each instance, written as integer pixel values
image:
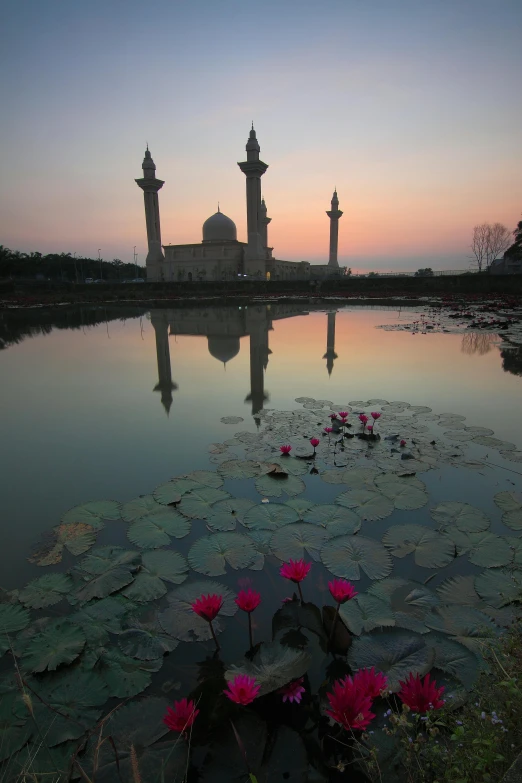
(112, 403)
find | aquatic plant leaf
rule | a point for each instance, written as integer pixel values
(210, 554)
(206, 478)
(240, 469)
(385, 588)
(338, 521)
(221, 521)
(13, 737)
(512, 456)
(298, 540)
(334, 476)
(494, 443)
(294, 614)
(499, 587)
(51, 644)
(124, 676)
(345, 556)
(139, 507)
(275, 487)
(231, 419)
(366, 612)
(273, 666)
(459, 435)
(459, 589)
(508, 501)
(144, 588)
(46, 590)
(406, 494)
(466, 624)
(454, 658)
(292, 466)
(466, 518)
(270, 516)
(431, 549)
(414, 600)
(236, 507)
(180, 620)
(513, 519)
(158, 567)
(489, 550)
(157, 528)
(146, 641)
(197, 504)
(13, 618)
(301, 505)
(103, 558)
(360, 478)
(76, 537)
(93, 513)
(395, 652)
(261, 540)
(368, 505)
(107, 614)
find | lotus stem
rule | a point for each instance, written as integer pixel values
(330, 640)
(218, 648)
(250, 630)
(300, 592)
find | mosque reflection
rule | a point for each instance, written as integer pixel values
(224, 327)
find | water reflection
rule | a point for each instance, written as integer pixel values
(512, 359)
(478, 342)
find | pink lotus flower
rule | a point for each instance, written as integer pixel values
(375, 415)
(333, 416)
(403, 442)
(370, 428)
(370, 682)
(421, 695)
(349, 706)
(293, 691)
(341, 590)
(328, 430)
(343, 415)
(248, 600)
(287, 600)
(181, 716)
(208, 606)
(315, 442)
(295, 570)
(363, 417)
(285, 449)
(242, 689)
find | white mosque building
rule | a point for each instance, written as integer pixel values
(221, 256)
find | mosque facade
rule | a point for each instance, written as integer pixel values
(220, 255)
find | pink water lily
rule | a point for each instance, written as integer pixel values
(296, 571)
(341, 590)
(181, 717)
(375, 415)
(285, 449)
(343, 415)
(242, 689)
(363, 417)
(328, 430)
(333, 416)
(293, 692)
(315, 442)
(403, 443)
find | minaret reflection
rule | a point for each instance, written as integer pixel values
(259, 324)
(330, 354)
(165, 385)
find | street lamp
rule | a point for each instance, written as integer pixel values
(99, 259)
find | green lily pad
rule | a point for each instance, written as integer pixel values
(494, 443)
(76, 537)
(240, 469)
(13, 737)
(207, 478)
(499, 587)
(360, 478)
(338, 521)
(13, 618)
(368, 505)
(273, 666)
(454, 658)
(298, 540)
(301, 505)
(385, 588)
(179, 619)
(466, 518)
(158, 567)
(396, 653)
(50, 644)
(270, 516)
(146, 641)
(511, 504)
(334, 476)
(210, 554)
(292, 466)
(465, 624)
(364, 613)
(489, 550)
(345, 556)
(432, 550)
(197, 504)
(226, 513)
(140, 507)
(104, 571)
(124, 676)
(275, 487)
(46, 590)
(459, 590)
(93, 513)
(157, 528)
(406, 494)
(107, 614)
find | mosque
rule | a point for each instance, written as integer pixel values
(221, 256)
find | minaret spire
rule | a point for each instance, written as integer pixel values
(150, 186)
(334, 214)
(254, 168)
(165, 385)
(330, 354)
(264, 221)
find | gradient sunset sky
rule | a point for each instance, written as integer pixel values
(411, 108)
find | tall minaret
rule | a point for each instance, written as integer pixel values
(330, 354)
(253, 169)
(165, 385)
(150, 186)
(258, 325)
(334, 214)
(264, 228)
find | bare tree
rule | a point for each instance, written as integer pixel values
(479, 243)
(499, 239)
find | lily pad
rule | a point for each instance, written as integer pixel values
(406, 494)
(70, 693)
(93, 513)
(106, 614)
(366, 612)
(465, 624)
(240, 469)
(466, 518)
(158, 567)
(511, 504)
(270, 516)
(13, 618)
(298, 540)
(360, 478)
(146, 641)
(124, 676)
(338, 521)
(275, 487)
(207, 478)
(396, 653)
(197, 504)
(210, 554)
(140, 507)
(226, 513)
(231, 419)
(76, 537)
(432, 550)
(301, 505)
(46, 590)
(368, 505)
(459, 590)
(294, 467)
(454, 658)
(489, 550)
(345, 556)
(50, 644)
(104, 571)
(499, 587)
(156, 529)
(273, 666)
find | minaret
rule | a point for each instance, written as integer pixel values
(253, 169)
(264, 220)
(334, 214)
(258, 326)
(150, 186)
(165, 385)
(330, 354)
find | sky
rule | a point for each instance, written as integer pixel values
(410, 108)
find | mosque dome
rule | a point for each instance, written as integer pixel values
(223, 348)
(219, 228)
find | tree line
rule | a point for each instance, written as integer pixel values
(490, 241)
(66, 267)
